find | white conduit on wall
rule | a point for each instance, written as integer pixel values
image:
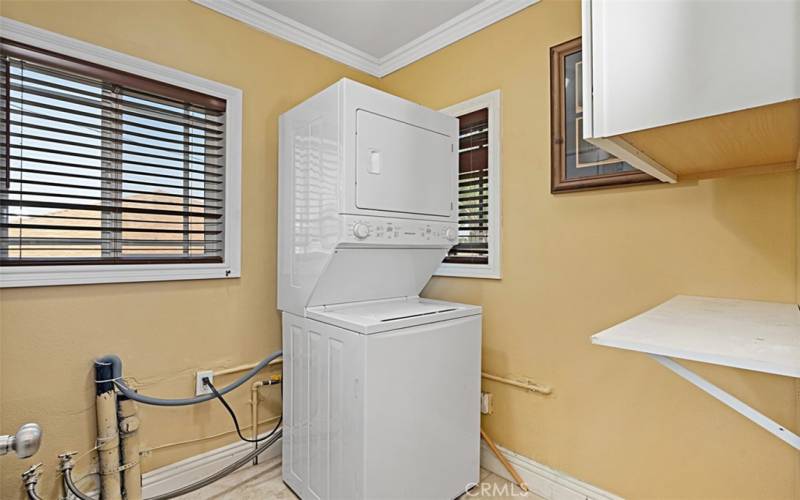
(528, 386)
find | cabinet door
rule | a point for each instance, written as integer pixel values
(658, 63)
(403, 168)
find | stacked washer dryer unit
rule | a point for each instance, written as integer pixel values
(382, 387)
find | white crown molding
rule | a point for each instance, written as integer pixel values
(475, 19)
(290, 30)
(468, 22)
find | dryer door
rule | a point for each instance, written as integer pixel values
(403, 168)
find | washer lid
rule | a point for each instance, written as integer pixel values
(390, 314)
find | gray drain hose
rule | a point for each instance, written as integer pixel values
(116, 377)
(222, 473)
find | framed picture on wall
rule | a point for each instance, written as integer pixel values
(575, 163)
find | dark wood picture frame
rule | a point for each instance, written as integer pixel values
(558, 148)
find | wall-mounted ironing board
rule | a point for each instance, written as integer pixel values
(752, 335)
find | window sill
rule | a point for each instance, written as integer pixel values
(468, 271)
(29, 276)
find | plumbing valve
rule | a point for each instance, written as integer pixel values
(31, 476)
(25, 443)
(65, 460)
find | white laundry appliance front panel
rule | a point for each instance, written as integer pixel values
(401, 167)
(361, 167)
(388, 415)
(358, 274)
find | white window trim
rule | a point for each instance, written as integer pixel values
(490, 100)
(20, 276)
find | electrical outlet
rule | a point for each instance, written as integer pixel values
(200, 388)
(486, 403)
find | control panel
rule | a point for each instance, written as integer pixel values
(380, 230)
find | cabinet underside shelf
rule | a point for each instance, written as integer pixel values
(760, 140)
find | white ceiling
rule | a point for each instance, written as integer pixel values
(375, 36)
(375, 27)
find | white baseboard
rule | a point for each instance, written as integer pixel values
(173, 476)
(542, 480)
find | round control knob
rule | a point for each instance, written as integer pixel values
(360, 231)
(450, 234)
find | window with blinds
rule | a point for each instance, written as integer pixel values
(100, 166)
(473, 190)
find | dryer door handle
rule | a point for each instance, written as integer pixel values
(374, 162)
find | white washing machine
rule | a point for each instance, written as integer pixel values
(381, 400)
(382, 387)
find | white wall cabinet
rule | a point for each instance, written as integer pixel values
(684, 89)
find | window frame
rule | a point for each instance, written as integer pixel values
(230, 267)
(492, 270)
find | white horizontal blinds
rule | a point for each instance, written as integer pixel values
(98, 168)
(473, 190)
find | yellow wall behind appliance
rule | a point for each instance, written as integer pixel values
(163, 331)
(574, 264)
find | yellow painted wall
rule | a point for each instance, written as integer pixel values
(575, 264)
(163, 331)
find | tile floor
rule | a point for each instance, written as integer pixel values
(263, 482)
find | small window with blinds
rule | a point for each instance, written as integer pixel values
(101, 166)
(477, 253)
(473, 190)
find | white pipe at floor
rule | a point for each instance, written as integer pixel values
(108, 446)
(129, 429)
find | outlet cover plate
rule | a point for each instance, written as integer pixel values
(200, 388)
(486, 403)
